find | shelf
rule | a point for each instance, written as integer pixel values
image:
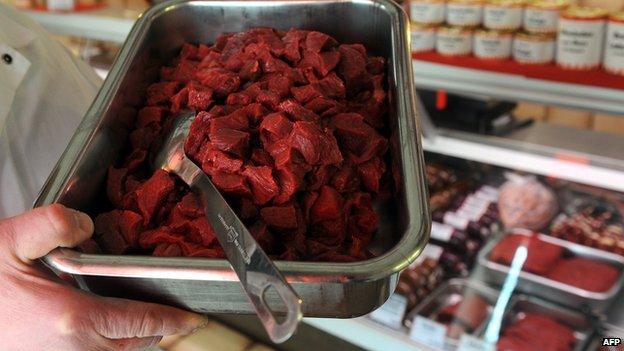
(429, 75)
(576, 155)
(109, 24)
(367, 334)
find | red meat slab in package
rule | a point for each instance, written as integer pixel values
(541, 255)
(288, 127)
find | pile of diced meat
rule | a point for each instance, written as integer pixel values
(288, 127)
(551, 261)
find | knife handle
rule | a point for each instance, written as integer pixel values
(254, 268)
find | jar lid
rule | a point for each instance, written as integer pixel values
(493, 33)
(423, 26)
(584, 13)
(536, 37)
(509, 3)
(617, 17)
(455, 30)
(549, 4)
(467, 2)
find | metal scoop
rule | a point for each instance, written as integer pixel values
(254, 268)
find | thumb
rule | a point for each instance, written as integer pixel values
(35, 233)
(122, 319)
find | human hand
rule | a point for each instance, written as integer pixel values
(38, 311)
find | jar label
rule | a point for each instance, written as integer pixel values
(579, 43)
(526, 51)
(463, 15)
(454, 44)
(614, 52)
(492, 47)
(428, 13)
(541, 21)
(422, 40)
(502, 17)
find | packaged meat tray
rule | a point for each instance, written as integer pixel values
(463, 306)
(555, 270)
(328, 289)
(533, 324)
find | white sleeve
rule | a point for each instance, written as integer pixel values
(48, 104)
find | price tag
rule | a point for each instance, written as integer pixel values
(454, 220)
(441, 232)
(471, 343)
(428, 332)
(391, 313)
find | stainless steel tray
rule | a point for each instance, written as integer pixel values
(203, 285)
(549, 289)
(582, 325)
(448, 293)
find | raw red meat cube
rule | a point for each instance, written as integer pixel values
(371, 172)
(221, 81)
(279, 84)
(328, 205)
(230, 140)
(290, 181)
(345, 179)
(115, 184)
(317, 41)
(275, 126)
(152, 194)
(152, 238)
(250, 71)
(236, 120)
(358, 137)
(254, 112)
(316, 146)
(262, 183)
(331, 86)
(200, 227)
(319, 176)
(263, 236)
(119, 230)
(160, 93)
(305, 93)
(212, 159)
(280, 217)
(190, 206)
(167, 250)
(292, 44)
(298, 112)
(352, 64)
(199, 97)
(260, 157)
(246, 209)
(269, 99)
(151, 114)
(231, 183)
